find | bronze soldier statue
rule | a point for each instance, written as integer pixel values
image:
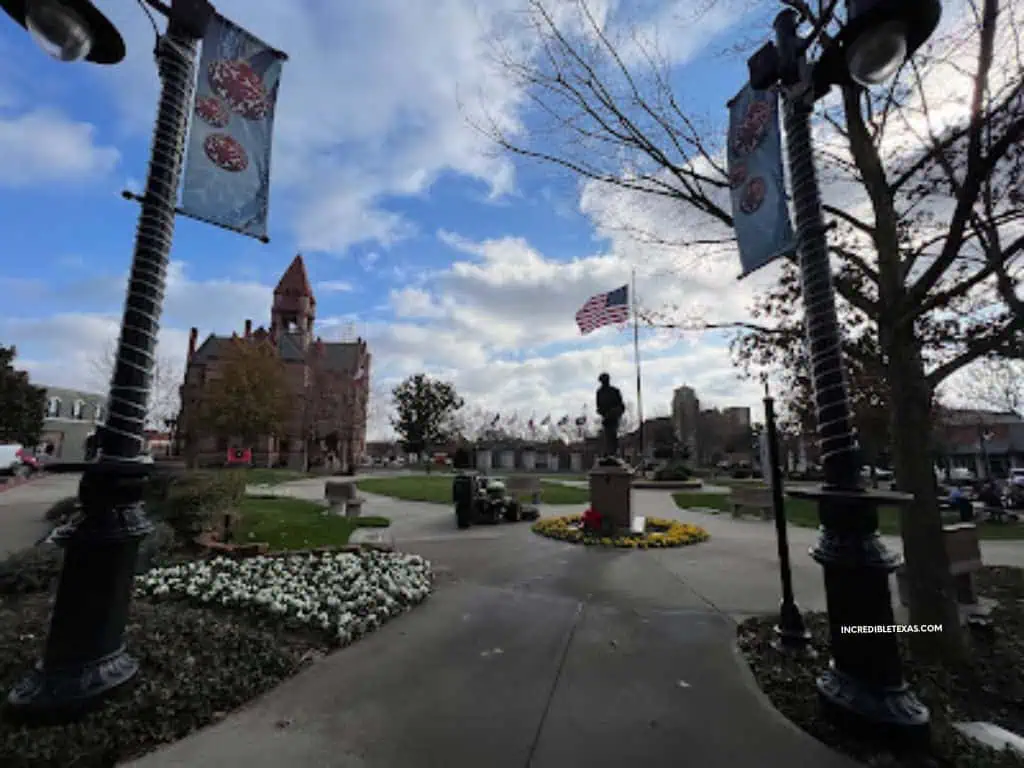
(610, 407)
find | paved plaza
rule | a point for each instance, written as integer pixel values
(531, 652)
(537, 653)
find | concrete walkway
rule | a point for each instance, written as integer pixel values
(532, 653)
(22, 510)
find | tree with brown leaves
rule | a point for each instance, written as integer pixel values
(247, 395)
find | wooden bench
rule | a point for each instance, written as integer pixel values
(759, 499)
(524, 485)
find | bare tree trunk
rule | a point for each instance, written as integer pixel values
(930, 584)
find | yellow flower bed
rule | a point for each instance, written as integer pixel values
(660, 533)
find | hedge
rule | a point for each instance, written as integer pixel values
(192, 501)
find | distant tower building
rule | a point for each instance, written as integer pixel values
(329, 381)
(738, 417)
(685, 418)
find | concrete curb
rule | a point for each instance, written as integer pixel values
(751, 683)
(17, 482)
(667, 485)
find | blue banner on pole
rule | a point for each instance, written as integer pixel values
(759, 211)
(227, 169)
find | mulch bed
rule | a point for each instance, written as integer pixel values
(198, 666)
(990, 688)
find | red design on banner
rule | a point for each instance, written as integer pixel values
(241, 88)
(212, 111)
(753, 195)
(754, 127)
(226, 152)
(737, 176)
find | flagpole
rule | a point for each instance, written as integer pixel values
(636, 355)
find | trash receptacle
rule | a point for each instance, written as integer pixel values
(463, 494)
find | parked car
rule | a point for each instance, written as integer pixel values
(30, 460)
(880, 474)
(955, 476)
(9, 460)
(17, 460)
(1016, 476)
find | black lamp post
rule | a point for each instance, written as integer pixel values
(85, 656)
(791, 633)
(864, 685)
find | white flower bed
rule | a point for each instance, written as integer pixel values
(345, 595)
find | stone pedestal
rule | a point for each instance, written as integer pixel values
(297, 455)
(611, 489)
(483, 460)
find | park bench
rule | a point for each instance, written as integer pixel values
(519, 486)
(758, 499)
(342, 498)
(964, 552)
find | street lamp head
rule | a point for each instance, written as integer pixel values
(877, 53)
(68, 30)
(879, 35)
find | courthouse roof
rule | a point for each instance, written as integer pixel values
(295, 281)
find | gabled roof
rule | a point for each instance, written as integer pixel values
(212, 347)
(289, 348)
(295, 281)
(974, 416)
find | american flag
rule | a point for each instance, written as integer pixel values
(604, 309)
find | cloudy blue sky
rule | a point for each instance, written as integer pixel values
(448, 256)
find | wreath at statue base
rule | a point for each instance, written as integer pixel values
(590, 530)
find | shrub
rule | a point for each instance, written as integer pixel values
(159, 485)
(157, 548)
(195, 500)
(673, 472)
(62, 510)
(34, 569)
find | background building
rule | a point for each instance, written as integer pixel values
(317, 371)
(686, 420)
(966, 438)
(738, 417)
(71, 416)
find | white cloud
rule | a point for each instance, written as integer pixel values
(333, 286)
(377, 99)
(368, 107)
(374, 105)
(499, 323)
(414, 302)
(45, 147)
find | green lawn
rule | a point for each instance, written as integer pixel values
(267, 476)
(804, 513)
(438, 490)
(296, 524)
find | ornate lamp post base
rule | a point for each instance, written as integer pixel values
(864, 688)
(85, 657)
(54, 694)
(891, 715)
